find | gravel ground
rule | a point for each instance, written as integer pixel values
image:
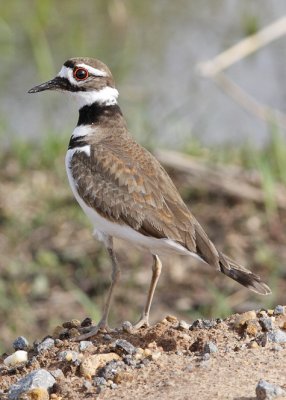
(208, 359)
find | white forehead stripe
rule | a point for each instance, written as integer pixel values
(67, 73)
(93, 71)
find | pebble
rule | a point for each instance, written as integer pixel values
(20, 343)
(210, 347)
(267, 324)
(74, 323)
(183, 325)
(58, 373)
(107, 337)
(277, 347)
(279, 310)
(110, 370)
(156, 355)
(87, 385)
(127, 327)
(99, 381)
(86, 322)
(252, 327)
(60, 332)
(129, 360)
(45, 345)
(40, 378)
(267, 391)
(277, 336)
(204, 324)
(84, 344)
(124, 347)
(243, 318)
(18, 357)
(171, 318)
(68, 355)
(91, 364)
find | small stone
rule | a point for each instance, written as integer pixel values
(252, 327)
(183, 325)
(156, 355)
(129, 360)
(172, 319)
(277, 336)
(267, 324)
(86, 322)
(91, 364)
(277, 347)
(197, 324)
(146, 353)
(87, 385)
(123, 377)
(60, 332)
(127, 327)
(279, 310)
(73, 332)
(99, 381)
(57, 373)
(21, 343)
(262, 340)
(45, 345)
(20, 356)
(68, 355)
(253, 345)
(267, 391)
(84, 344)
(107, 337)
(74, 323)
(124, 347)
(110, 370)
(243, 318)
(210, 347)
(113, 386)
(145, 361)
(206, 357)
(37, 379)
(38, 394)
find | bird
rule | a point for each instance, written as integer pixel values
(124, 190)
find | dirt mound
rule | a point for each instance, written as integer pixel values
(208, 359)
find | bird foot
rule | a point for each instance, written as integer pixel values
(143, 322)
(93, 330)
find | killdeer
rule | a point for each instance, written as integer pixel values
(124, 190)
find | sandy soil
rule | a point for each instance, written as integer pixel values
(209, 359)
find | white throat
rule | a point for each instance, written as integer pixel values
(106, 96)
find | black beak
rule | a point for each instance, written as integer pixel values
(57, 83)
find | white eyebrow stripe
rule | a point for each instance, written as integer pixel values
(93, 71)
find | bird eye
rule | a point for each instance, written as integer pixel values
(80, 74)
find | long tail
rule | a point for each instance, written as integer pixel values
(207, 251)
(242, 275)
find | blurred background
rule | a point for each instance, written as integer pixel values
(232, 173)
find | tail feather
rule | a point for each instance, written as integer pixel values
(242, 275)
(207, 251)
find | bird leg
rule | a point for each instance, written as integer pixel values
(156, 272)
(115, 276)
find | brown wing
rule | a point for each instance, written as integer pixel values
(127, 185)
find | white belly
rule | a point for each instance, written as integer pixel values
(104, 228)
